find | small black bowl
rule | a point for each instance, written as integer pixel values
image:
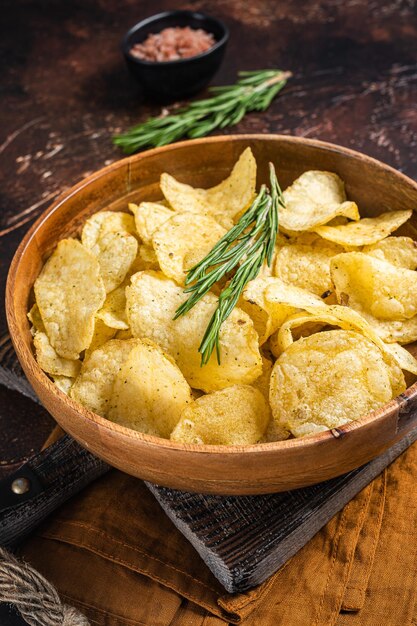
(174, 80)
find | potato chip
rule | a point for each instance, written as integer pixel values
(184, 240)
(124, 334)
(399, 251)
(94, 386)
(347, 319)
(152, 300)
(35, 319)
(146, 259)
(104, 222)
(149, 392)
(303, 329)
(50, 361)
(313, 199)
(268, 270)
(305, 238)
(325, 380)
(69, 291)
(375, 287)
(275, 432)
(367, 231)
(405, 360)
(113, 312)
(149, 216)
(64, 383)
(102, 333)
(222, 202)
(236, 415)
(116, 252)
(307, 266)
(262, 382)
(403, 332)
(269, 302)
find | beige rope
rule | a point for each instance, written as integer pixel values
(33, 596)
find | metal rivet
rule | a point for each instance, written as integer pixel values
(20, 486)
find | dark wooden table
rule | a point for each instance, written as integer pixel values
(65, 91)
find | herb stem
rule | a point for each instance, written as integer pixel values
(254, 91)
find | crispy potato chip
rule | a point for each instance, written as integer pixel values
(399, 251)
(394, 331)
(149, 392)
(116, 252)
(236, 415)
(338, 221)
(69, 291)
(375, 287)
(35, 319)
(262, 382)
(152, 300)
(307, 266)
(94, 386)
(149, 216)
(269, 302)
(113, 312)
(64, 383)
(104, 222)
(268, 270)
(347, 319)
(325, 380)
(305, 238)
(102, 333)
(275, 432)
(222, 202)
(184, 240)
(304, 329)
(367, 231)
(146, 260)
(405, 360)
(124, 334)
(313, 199)
(50, 361)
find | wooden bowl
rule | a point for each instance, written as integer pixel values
(254, 469)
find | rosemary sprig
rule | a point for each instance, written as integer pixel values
(245, 246)
(254, 91)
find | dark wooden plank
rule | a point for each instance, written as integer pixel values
(246, 539)
(53, 476)
(11, 373)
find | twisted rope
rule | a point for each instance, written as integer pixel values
(33, 596)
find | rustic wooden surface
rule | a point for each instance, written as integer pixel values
(65, 90)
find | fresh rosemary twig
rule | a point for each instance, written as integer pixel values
(245, 246)
(254, 91)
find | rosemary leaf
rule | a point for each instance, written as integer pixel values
(254, 91)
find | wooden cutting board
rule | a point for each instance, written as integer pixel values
(242, 539)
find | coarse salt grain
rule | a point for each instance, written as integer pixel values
(172, 44)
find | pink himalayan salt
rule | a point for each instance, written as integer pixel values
(172, 44)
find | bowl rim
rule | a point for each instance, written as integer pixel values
(85, 414)
(177, 62)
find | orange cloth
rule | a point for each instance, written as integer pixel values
(114, 554)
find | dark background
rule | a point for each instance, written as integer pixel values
(64, 90)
